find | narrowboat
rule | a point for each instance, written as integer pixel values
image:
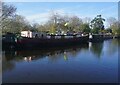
(43, 42)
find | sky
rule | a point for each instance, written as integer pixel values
(39, 12)
(61, 0)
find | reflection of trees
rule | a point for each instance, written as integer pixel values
(118, 42)
(110, 47)
(113, 46)
(118, 47)
(96, 48)
(6, 64)
(65, 52)
(74, 52)
(54, 56)
(11, 55)
(8, 60)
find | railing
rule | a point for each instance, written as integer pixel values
(63, 36)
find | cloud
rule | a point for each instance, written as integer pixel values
(38, 18)
(58, 11)
(43, 17)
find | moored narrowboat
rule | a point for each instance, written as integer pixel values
(47, 41)
(51, 41)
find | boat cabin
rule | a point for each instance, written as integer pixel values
(31, 34)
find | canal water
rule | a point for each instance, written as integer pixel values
(87, 63)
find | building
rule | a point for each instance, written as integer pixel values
(31, 34)
(26, 34)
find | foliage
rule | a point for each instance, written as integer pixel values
(114, 25)
(8, 12)
(97, 24)
(11, 22)
(108, 30)
(15, 24)
(85, 28)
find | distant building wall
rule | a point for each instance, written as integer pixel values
(33, 34)
(26, 34)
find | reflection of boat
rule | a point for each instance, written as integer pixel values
(50, 52)
(54, 50)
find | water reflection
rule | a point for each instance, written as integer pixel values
(96, 48)
(6, 64)
(63, 64)
(112, 46)
(54, 54)
(65, 56)
(28, 58)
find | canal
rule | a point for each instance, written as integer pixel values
(88, 63)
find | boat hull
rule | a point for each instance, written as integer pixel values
(41, 43)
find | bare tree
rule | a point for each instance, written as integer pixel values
(111, 21)
(7, 11)
(86, 20)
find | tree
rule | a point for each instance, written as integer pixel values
(115, 28)
(11, 22)
(64, 23)
(108, 30)
(53, 20)
(97, 24)
(35, 27)
(8, 11)
(75, 23)
(111, 21)
(86, 20)
(15, 24)
(114, 25)
(21, 23)
(85, 28)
